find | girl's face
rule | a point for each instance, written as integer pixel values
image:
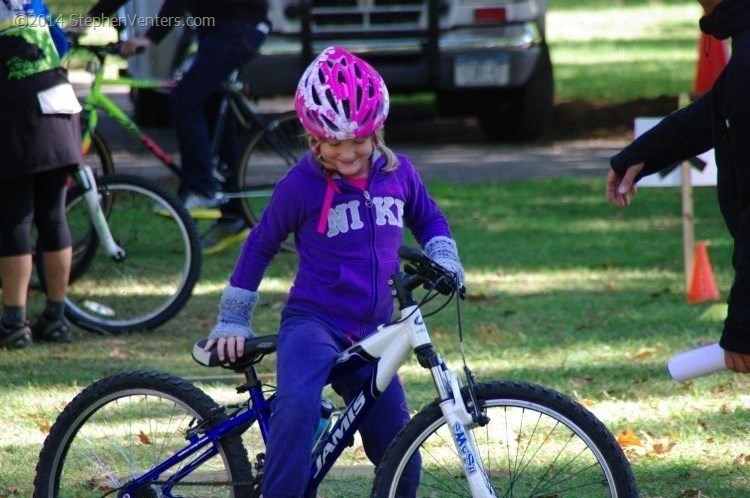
(349, 158)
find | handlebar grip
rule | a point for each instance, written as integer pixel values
(411, 254)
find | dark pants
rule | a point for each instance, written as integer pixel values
(40, 198)
(307, 348)
(220, 51)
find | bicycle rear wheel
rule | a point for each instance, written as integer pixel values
(538, 443)
(123, 425)
(162, 263)
(268, 156)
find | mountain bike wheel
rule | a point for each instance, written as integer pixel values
(99, 157)
(162, 263)
(538, 443)
(125, 424)
(268, 156)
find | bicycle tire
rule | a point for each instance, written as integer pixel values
(161, 267)
(268, 155)
(123, 425)
(545, 464)
(104, 164)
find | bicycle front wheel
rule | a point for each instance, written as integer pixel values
(124, 425)
(538, 443)
(268, 156)
(162, 259)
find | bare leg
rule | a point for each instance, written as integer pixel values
(15, 273)
(57, 271)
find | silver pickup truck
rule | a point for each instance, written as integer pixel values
(483, 58)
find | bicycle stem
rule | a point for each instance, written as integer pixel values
(98, 220)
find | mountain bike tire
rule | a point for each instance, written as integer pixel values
(267, 157)
(538, 443)
(162, 264)
(125, 424)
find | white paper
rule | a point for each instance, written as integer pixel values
(696, 362)
(60, 99)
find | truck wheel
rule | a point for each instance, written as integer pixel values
(521, 113)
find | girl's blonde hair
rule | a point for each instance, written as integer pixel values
(391, 161)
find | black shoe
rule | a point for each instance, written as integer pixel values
(51, 330)
(15, 337)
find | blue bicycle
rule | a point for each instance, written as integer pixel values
(144, 434)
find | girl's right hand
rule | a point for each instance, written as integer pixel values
(234, 346)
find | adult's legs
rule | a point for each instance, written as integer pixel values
(15, 259)
(220, 51)
(54, 236)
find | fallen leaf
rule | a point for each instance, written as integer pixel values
(628, 438)
(690, 493)
(661, 448)
(742, 459)
(645, 353)
(143, 438)
(118, 354)
(587, 402)
(44, 427)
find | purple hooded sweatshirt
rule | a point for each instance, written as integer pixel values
(345, 265)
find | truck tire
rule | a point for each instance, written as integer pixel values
(521, 113)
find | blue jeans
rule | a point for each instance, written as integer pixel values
(307, 347)
(220, 51)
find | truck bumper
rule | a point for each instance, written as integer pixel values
(467, 58)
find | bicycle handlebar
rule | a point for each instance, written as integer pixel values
(100, 51)
(429, 273)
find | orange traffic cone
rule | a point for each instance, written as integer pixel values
(713, 55)
(702, 283)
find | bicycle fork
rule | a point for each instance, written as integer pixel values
(91, 195)
(460, 422)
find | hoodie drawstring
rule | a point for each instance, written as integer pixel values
(331, 187)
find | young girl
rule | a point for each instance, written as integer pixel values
(346, 202)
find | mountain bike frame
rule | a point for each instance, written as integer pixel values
(97, 99)
(233, 99)
(85, 177)
(387, 348)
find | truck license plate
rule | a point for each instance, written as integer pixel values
(472, 70)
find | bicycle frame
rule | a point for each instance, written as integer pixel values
(233, 99)
(97, 99)
(86, 179)
(389, 348)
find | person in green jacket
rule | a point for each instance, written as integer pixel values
(40, 139)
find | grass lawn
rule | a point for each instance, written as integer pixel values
(564, 290)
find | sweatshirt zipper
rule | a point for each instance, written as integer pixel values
(373, 246)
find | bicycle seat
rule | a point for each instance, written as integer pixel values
(255, 349)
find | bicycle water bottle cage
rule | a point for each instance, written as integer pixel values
(255, 349)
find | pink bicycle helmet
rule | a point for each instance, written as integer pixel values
(340, 97)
